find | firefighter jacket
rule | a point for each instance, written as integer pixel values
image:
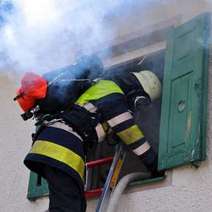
(107, 99)
(60, 146)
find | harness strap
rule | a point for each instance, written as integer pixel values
(83, 122)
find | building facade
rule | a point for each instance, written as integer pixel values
(186, 188)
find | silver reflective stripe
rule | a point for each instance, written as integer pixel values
(99, 129)
(65, 127)
(90, 107)
(119, 119)
(141, 149)
(100, 132)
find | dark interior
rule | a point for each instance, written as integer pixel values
(148, 118)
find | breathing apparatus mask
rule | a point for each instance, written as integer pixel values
(137, 99)
(144, 88)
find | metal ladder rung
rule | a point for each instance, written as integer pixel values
(91, 193)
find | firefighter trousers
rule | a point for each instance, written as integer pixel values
(64, 192)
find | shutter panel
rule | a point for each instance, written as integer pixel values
(184, 101)
(36, 190)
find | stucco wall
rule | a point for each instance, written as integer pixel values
(190, 188)
(15, 142)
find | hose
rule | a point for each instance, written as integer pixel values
(122, 184)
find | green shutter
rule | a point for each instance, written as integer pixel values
(36, 189)
(184, 102)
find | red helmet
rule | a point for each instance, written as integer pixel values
(33, 87)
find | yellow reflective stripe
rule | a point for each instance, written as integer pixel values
(61, 154)
(100, 89)
(131, 134)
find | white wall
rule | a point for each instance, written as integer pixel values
(190, 189)
(15, 142)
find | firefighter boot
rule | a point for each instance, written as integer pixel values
(150, 160)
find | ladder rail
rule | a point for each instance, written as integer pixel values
(107, 190)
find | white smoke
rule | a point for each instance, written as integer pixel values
(45, 34)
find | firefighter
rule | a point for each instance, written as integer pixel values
(59, 149)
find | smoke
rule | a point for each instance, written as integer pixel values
(41, 35)
(46, 34)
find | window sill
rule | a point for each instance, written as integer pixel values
(147, 184)
(146, 181)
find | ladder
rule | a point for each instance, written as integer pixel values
(112, 178)
(116, 164)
